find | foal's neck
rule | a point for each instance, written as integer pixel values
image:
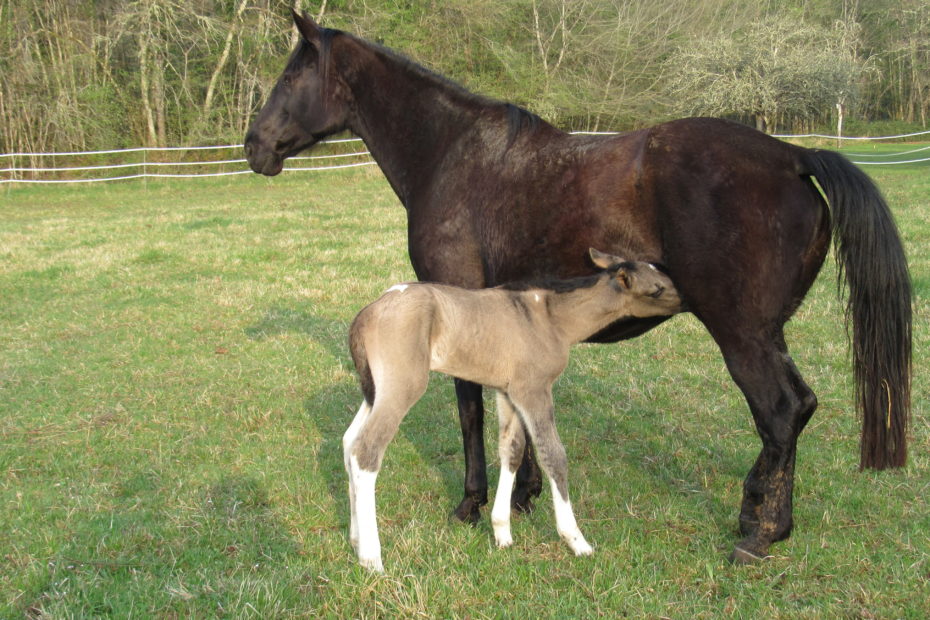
(582, 312)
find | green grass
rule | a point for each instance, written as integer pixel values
(174, 384)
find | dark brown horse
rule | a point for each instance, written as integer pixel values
(494, 194)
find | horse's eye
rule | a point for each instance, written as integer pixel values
(287, 81)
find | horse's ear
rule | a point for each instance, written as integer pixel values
(604, 260)
(308, 28)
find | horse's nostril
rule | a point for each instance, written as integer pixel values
(248, 148)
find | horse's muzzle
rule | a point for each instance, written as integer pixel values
(262, 160)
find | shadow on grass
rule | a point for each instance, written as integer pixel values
(434, 435)
(673, 458)
(332, 407)
(277, 320)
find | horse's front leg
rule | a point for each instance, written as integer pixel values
(471, 418)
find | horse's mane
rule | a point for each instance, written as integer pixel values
(518, 118)
(326, 43)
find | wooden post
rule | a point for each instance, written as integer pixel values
(839, 124)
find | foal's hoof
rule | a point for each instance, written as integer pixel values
(580, 547)
(372, 564)
(744, 556)
(469, 511)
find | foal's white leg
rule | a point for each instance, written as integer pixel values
(369, 545)
(500, 514)
(509, 447)
(538, 415)
(565, 523)
(363, 524)
(347, 440)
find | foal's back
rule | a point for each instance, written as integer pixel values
(485, 336)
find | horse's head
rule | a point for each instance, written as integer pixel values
(305, 105)
(648, 291)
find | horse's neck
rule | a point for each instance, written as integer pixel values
(408, 118)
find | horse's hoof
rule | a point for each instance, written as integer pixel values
(744, 556)
(503, 539)
(521, 500)
(468, 511)
(524, 506)
(581, 547)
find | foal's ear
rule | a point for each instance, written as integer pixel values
(624, 279)
(604, 260)
(307, 27)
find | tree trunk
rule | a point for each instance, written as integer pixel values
(224, 56)
(144, 90)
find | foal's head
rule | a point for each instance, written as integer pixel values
(646, 290)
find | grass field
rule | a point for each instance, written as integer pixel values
(174, 384)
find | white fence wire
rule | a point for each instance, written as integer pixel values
(155, 168)
(154, 164)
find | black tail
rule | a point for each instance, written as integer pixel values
(360, 358)
(871, 261)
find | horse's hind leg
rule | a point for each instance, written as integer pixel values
(781, 405)
(538, 416)
(510, 447)
(363, 524)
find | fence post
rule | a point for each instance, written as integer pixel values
(839, 124)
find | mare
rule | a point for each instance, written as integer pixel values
(515, 341)
(495, 194)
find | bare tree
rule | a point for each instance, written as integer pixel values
(777, 69)
(80, 74)
(224, 57)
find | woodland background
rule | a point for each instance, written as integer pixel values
(83, 74)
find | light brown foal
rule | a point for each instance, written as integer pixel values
(513, 339)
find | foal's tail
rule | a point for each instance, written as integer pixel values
(360, 358)
(870, 258)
